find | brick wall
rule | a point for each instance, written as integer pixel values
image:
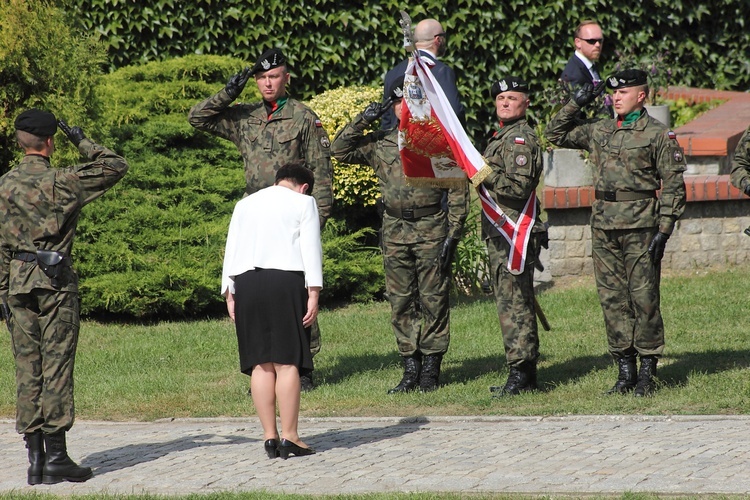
(710, 231)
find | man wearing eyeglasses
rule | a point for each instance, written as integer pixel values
(431, 41)
(581, 67)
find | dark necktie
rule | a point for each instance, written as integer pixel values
(594, 72)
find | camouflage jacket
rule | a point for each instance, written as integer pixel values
(292, 133)
(515, 157)
(642, 156)
(740, 174)
(379, 150)
(40, 207)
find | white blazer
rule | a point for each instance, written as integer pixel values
(274, 228)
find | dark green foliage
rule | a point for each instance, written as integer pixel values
(471, 267)
(352, 272)
(44, 64)
(333, 44)
(154, 245)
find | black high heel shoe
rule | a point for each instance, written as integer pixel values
(272, 448)
(288, 447)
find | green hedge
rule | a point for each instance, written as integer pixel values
(333, 44)
(44, 63)
(153, 246)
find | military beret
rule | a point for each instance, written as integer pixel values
(396, 90)
(627, 78)
(37, 122)
(270, 59)
(509, 83)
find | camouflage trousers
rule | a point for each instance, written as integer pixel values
(44, 331)
(514, 296)
(628, 285)
(418, 293)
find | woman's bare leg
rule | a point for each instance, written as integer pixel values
(288, 396)
(263, 388)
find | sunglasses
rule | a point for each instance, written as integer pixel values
(443, 34)
(593, 41)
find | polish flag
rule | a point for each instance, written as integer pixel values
(434, 147)
(436, 151)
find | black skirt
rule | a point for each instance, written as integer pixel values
(269, 307)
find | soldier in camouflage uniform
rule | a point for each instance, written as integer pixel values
(516, 160)
(419, 240)
(634, 155)
(740, 174)
(270, 134)
(39, 288)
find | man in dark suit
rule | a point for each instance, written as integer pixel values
(581, 67)
(431, 41)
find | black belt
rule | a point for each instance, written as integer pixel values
(412, 213)
(624, 195)
(31, 257)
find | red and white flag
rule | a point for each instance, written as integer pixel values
(435, 150)
(434, 147)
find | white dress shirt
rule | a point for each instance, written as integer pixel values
(590, 66)
(274, 228)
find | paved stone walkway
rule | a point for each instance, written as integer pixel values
(538, 455)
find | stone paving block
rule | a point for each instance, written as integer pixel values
(558, 455)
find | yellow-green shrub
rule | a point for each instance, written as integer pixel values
(353, 185)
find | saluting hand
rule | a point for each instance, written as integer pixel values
(588, 93)
(75, 134)
(375, 110)
(236, 83)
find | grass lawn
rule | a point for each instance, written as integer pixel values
(190, 369)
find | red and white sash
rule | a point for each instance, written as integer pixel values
(517, 233)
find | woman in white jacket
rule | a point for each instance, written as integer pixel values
(272, 279)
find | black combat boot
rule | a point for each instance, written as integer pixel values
(627, 377)
(58, 466)
(521, 378)
(429, 379)
(645, 384)
(410, 380)
(35, 445)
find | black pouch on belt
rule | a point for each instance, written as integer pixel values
(50, 263)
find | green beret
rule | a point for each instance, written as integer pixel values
(37, 122)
